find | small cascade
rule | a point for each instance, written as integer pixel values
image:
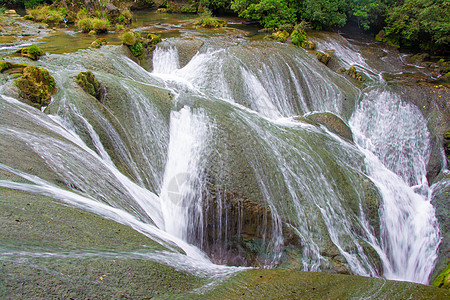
(394, 138)
(165, 59)
(181, 192)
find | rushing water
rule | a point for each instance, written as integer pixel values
(210, 155)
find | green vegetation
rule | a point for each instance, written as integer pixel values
(36, 86)
(136, 43)
(88, 82)
(206, 20)
(33, 52)
(443, 279)
(45, 14)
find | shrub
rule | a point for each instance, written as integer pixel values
(100, 25)
(85, 25)
(136, 49)
(128, 38)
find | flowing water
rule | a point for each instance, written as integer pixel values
(216, 158)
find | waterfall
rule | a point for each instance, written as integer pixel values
(165, 60)
(183, 183)
(394, 138)
(178, 152)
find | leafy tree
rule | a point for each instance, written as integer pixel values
(425, 23)
(270, 13)
(326, 13)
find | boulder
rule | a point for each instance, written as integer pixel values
(36, 86)
(88, 82)
(323, 57)
(332, 123)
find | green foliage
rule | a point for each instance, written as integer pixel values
(270, 13)
(128, 38)
(298, 37)
(325, 13)
(136, 49)
(100, 25)
(85, 25)
(46, 14)
(423, 23)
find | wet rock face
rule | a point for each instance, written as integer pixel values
(333, 123)
(237, 231)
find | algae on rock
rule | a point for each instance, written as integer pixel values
(36, 85)
(88, 82)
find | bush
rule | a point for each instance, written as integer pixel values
(128, 38)
(85, 25)
(136, 49)
(100, 25)
(298, 38)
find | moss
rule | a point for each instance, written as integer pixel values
(98, 43)
(153, 38)
(128, 38)
(294, 284)
(418, 58)
(323, 57)
(210, 22)
(8, 66)
(88, 82)
(36, 85)
(443, 279)
(310, 45)
(100, 25)
(298, 38)
(280, 36)
(33, 52)
(354, 74)
(136, 49)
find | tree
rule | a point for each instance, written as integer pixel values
(425, 23)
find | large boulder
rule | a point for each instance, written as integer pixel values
(36, 86)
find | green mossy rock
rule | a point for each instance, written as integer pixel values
(443, 279)
(280, 36)
(354, 74)
(310, 45)
(11, 68)
(323, 57)
(98, 43)
(36, 85)
(33, 52)
(88, 82)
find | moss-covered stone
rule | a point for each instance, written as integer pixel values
(6, 66)
(323, 57)
(36, 86)
(443, 279)
(354, 74)
(88, 82)
(98, 43)
(294, 284)
(210, 22)
(33, 52)
(280, 36)
(310, 45)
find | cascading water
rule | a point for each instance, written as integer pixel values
(179, 152)
(394, 137)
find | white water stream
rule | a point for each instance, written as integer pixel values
(391, 148)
